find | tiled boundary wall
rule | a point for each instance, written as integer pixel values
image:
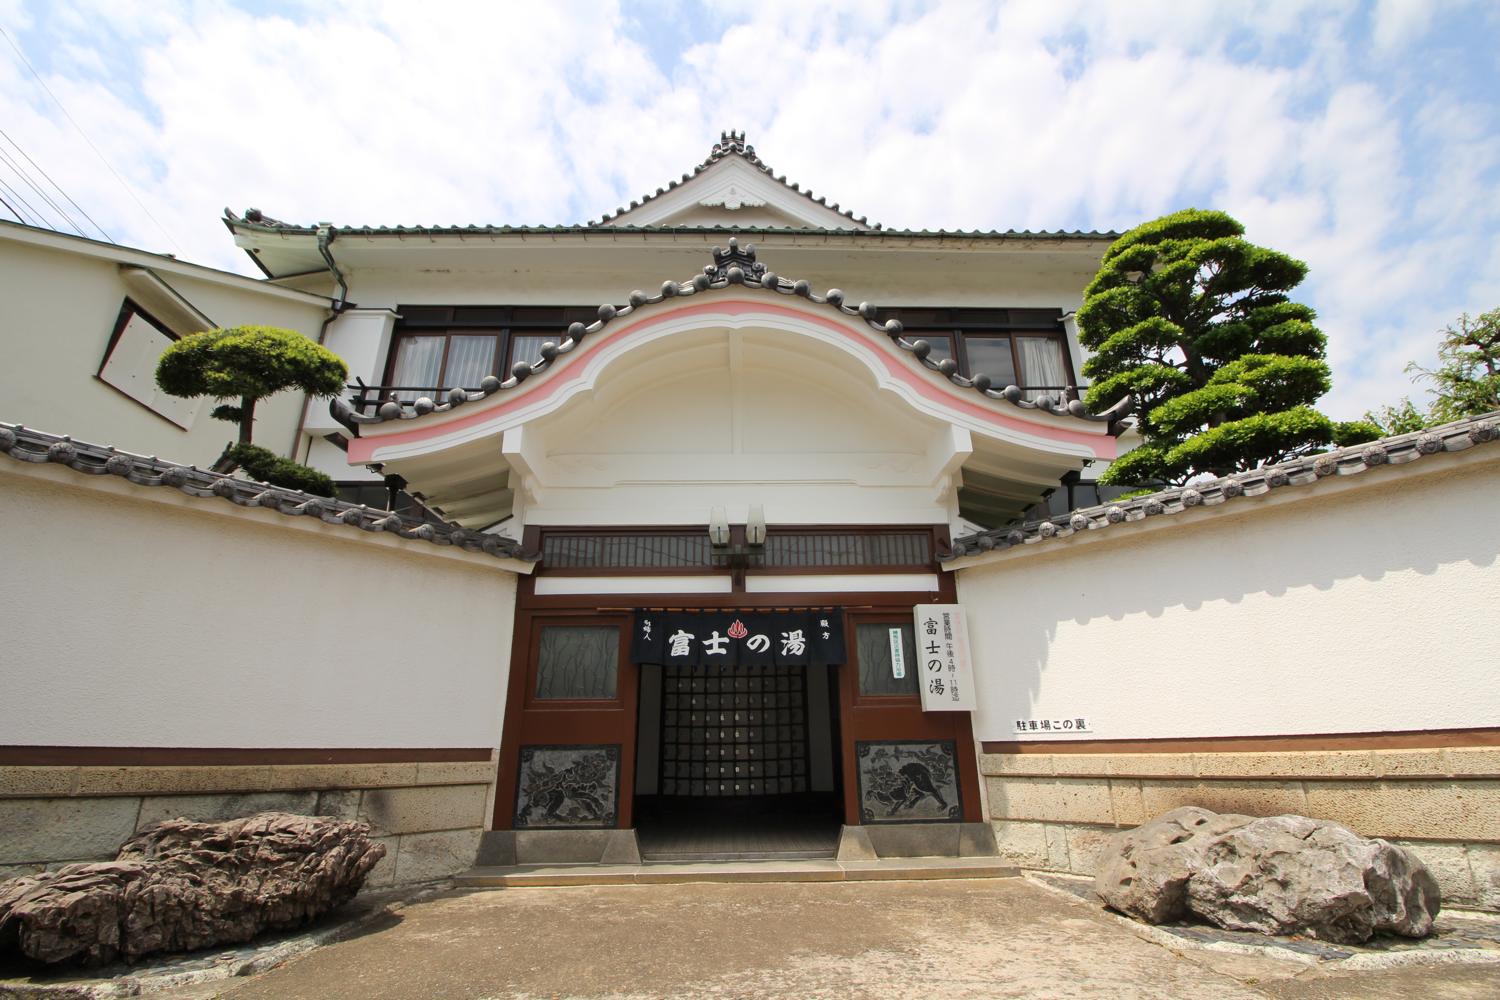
(428, 814)
(172, 654)
(1057, 811)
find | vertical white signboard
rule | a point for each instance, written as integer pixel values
(945, 672)
(898, 655)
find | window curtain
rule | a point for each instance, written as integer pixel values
(528, 348)
(1041, 365)
(470, 359)
(417, 361)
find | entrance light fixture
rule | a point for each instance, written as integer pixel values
(718, 527)
(755, 525)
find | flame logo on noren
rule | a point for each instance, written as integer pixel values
(738, 630)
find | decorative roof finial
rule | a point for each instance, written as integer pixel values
(742, 257)
(731, 142)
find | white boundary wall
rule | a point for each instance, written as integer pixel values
(1364, 604)
(140, 617)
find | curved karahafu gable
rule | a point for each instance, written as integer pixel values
(734, 266)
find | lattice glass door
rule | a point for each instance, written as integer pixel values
(741, 731)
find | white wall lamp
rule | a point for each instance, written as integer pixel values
(718, 527)
(736, 558)
(755, 526)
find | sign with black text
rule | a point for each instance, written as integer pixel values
(945, 674)
(734, 639)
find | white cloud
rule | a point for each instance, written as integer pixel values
(1304, 119)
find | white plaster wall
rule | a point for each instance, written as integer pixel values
(57, 311)
(1364, 605)
(134, 621)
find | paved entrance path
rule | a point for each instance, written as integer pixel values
(999, 938)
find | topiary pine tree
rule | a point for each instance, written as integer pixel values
(1195, 323)
(249, 363)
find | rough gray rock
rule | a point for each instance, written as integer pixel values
(1277, 875)
(1144, 872)
(179, 885)
(1294, 875)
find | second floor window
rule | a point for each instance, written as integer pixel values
(443, 347)
(1023, 347)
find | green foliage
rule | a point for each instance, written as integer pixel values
(248, 363)
(1465, 383)
(254, 361)
(1403, 418)
(269, 467)
(1195, 323)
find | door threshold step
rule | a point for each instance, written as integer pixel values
(662, 857)
(669, 873)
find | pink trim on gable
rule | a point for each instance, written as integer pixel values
(362, 449)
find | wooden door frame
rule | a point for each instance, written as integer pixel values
(856, 716)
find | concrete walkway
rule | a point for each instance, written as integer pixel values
(948, 939)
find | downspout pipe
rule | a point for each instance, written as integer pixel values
(336, 307)
(325, 238)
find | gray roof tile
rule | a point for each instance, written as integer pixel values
(26, 445)
(1308, 470)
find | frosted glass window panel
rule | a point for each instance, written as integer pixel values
(877, 675)
(991, 356)
(528, 347)
(578, 662)
(1042, 364)
(470, 359)
(418, 360)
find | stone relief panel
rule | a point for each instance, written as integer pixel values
(568, 787)
(908, 782)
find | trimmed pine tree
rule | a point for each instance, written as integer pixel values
(1196, 323)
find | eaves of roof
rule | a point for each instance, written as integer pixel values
(155, 262)
(1308, 471)
(733, 266)
(273, 227)
(26, 445)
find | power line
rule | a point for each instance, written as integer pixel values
(81, 209)
(32, 218)
(6, 159)
(86, 139)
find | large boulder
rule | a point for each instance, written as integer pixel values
(1144, 872)
(181, 885)
(1277, 875)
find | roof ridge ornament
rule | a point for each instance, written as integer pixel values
(735, 257)
(731, 142)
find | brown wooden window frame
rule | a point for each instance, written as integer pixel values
(957, 326)
(504, 323)
(532, 702)
(888, 619)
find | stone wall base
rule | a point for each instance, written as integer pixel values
(429, 815)
(1467, 874)
(1056, 812)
